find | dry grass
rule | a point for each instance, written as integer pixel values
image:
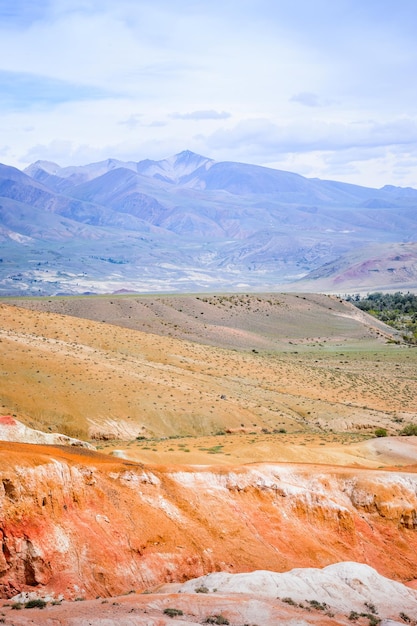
(257, 364)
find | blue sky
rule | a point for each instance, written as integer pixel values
(325, 88)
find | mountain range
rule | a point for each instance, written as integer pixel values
(189, 223)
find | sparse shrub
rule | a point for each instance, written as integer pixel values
(353, 616)
(405, 617)
(381, 432)
(202, 589)
(17, 606)
(37, 603)
(173, 612)
(409, 430)
(213, 449)
(320, 606)
(371, 607)
(289, 601)
(216, 619)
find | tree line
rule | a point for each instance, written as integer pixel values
(398, 310)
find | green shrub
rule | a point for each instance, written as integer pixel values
(381, 432)
(38, 603)
(371, 607)
(173, 612)
(410, 429)
(217, 619)
(320, 606)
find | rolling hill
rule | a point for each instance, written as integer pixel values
(196, 365)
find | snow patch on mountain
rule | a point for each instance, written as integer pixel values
(174, 168)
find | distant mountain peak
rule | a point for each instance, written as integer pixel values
(174, 168)
(188, 155)
(187, 158)
(46, 166)
(114, 163)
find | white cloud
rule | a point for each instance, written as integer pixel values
(319, 87)
(264, 136)
(307, 99)
(201, 115)
(132, 121)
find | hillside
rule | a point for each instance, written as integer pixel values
(378, 267)
(288, 362)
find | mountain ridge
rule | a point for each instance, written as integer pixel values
(192, 161)
(225, 224)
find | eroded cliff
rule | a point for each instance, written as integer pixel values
(78, 523)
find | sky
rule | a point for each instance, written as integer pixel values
(324, 88)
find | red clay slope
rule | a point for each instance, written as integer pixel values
(78, 523)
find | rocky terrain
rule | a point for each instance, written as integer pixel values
(234, 436)
(13, 430)
(78, 524)
(317, 597)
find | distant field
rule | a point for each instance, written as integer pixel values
(241, 321)
(334, 449)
